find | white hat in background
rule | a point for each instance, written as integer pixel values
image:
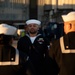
(69, 17)
(7, 29)
(33, 21)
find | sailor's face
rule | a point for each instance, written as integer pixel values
(33, 28)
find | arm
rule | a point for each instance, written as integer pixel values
(51, 64)
(27, 68)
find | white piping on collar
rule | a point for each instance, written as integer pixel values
(63, 48)
(35, 38)
(16, 62)
(36, 35)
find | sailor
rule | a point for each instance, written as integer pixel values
(12, 61)
(34, 45)
(62, 51)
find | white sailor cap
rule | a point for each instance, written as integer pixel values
(33, 21)
(7, 29)
(69, 17)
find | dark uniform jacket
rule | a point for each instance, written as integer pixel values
(62, 54)
(36, 50)
(14, 62)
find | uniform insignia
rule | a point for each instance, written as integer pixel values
(40, 40)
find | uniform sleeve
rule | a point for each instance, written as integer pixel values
(29, 68)
(25, 65)
(51, 65)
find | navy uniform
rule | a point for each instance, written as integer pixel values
(12, 61)
(62, 52)
(36, 50)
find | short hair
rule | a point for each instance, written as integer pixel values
(5, 39)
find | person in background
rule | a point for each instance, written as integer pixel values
(25, 31)
(34, 45)
(62, 51)
(26, 28)
(12, 61)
